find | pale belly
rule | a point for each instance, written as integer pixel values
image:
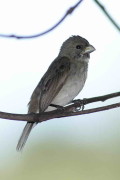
(70, 90)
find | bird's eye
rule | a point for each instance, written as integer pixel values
(78, 47)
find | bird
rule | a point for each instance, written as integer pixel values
(62, 82)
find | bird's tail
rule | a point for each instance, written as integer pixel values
(24, 136)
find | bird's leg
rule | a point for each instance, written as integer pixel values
(57, 106)
(80, 102)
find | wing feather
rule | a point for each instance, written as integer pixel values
(50, 84)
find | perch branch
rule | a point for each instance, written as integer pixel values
(69, 110)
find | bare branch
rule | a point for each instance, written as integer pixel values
(102, 98)
(69, 11)
(107, 14)
(68, 110)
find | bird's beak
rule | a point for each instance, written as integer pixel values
(88, 49)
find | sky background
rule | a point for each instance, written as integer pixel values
(94, 138)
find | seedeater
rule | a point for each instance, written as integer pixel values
(62, 82)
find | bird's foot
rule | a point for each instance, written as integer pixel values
(80, 103)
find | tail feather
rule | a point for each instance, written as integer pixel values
(24, 136)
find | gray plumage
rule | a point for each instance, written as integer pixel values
(62, 82)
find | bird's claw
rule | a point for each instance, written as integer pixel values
(80, 104)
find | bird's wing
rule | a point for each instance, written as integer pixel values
(50, 84)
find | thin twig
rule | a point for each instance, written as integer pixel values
(69, 11)
(54, 114)
(107, 14)
(68, 111)
(78, 102)
(102, 98)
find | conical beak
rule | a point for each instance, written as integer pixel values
(88, 49)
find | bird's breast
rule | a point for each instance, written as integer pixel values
(72, 86)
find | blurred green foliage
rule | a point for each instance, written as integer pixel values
(60, 161)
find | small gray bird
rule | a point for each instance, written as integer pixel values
(62, 82)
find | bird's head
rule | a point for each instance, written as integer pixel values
(75, 48)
